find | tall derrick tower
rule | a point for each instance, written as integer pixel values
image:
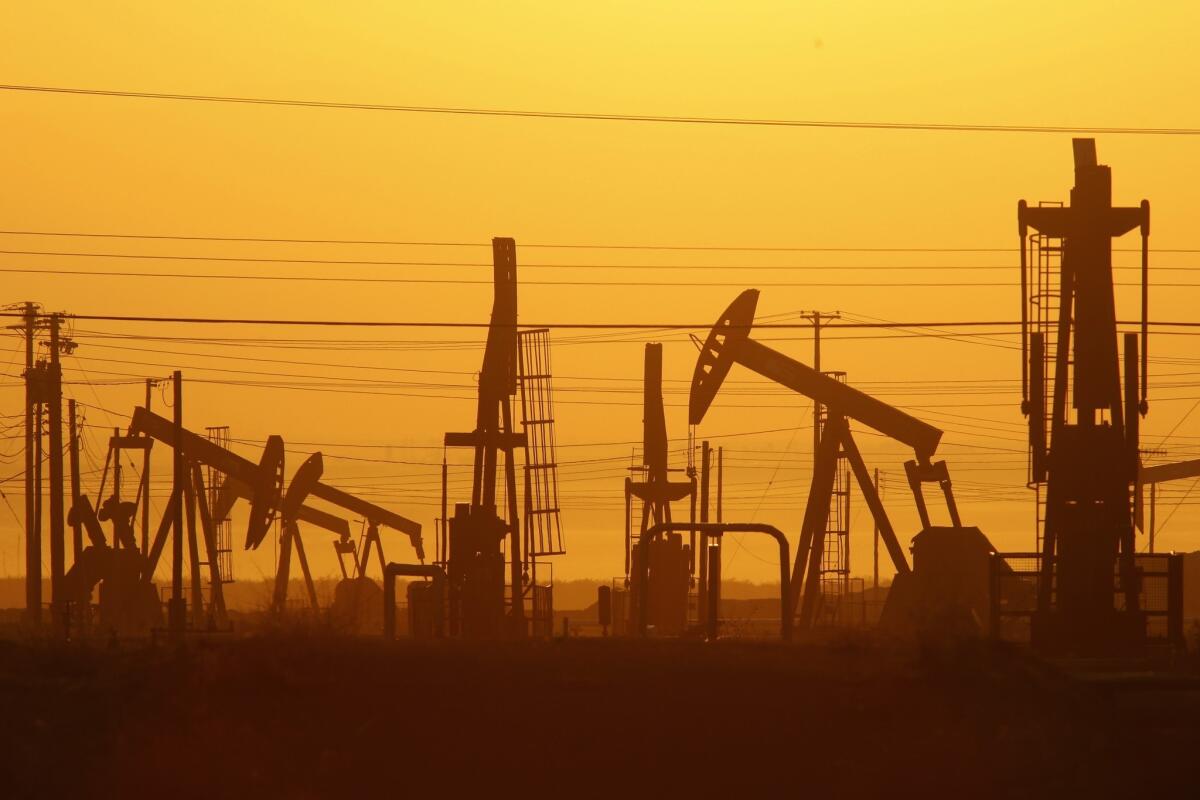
(1083, 435)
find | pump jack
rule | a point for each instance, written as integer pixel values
(671, 563)
(475, 557)
(357, 600)
(128, 573)
(1087, 465)
(728, 343)
(124, 566)
(262, 485)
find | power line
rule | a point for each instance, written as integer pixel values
(955, 127)
(630, 326)
(467, 282)
(489, 265)
(556, 325)
(558, 246)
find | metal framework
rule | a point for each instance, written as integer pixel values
(1089, 459)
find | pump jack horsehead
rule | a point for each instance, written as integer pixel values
(728, 343)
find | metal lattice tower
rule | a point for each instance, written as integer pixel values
(835, 557)
(222, 528)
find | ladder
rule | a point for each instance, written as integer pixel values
(222, 528)
(543, 520)
(1045, 265)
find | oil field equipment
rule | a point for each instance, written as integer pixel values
(713, 533)
(948, 583)
(263, 485)
(128, 600)
(483, 537)
(1092, 594)
(660, 601)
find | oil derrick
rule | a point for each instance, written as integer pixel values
(483, 535)
(670, 561)
(947, 585)
(1087, 460)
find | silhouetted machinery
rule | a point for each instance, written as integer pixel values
(129, 602)
(1091, 587)
(670, 560)
(484, 537)
(948, 583)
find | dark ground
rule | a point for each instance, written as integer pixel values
(301, 716)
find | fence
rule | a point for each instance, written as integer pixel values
(1015, 584)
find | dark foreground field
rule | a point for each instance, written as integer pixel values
(306, 716)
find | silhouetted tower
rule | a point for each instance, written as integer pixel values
(671, 561)
(478, 531)
(1086, 460)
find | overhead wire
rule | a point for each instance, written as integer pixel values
(592, 116)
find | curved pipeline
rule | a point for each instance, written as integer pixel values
(394, 570)
(717, 529)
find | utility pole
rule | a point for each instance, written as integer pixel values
(57, 527)
(177, 607)
(705, 469)
(445, 549)
(1153, 503)
(146, 482)
(116, 453)
(37, 502)
(876, 533)
(73, 449)
(33, 542)
(817, 318)
(720, 481)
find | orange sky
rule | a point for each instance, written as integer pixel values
(142, 166)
